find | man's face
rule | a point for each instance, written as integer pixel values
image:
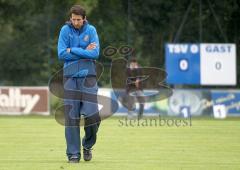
(77, 21)
(133, 65)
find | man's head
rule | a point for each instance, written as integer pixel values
(77, 16)
(133, 63)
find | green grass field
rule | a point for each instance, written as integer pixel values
(38, 143)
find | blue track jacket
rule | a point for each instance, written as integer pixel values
(80, 62)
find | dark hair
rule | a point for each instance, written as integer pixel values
(77, 10)
(133, 60)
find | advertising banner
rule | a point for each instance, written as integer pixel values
(24, 100)
(226, 102)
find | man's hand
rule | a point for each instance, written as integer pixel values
(91, 46)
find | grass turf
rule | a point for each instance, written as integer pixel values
(38, 143)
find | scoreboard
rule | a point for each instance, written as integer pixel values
(201, 64)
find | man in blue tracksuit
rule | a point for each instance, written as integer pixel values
(78, 47)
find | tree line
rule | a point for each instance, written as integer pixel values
(29, 31)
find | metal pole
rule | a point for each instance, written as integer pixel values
(200, 21)
(128, 23)
(179, 31)
(217, 21)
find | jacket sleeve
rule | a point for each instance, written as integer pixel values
(88, 54)
(63, 44)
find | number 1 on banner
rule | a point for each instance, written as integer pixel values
(185, 111)
(219, 111)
